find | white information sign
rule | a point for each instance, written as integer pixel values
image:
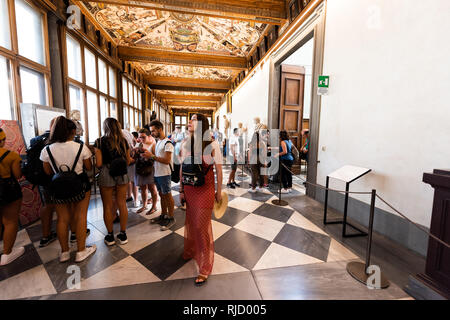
(348, 173)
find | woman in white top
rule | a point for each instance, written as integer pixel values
(64, 152)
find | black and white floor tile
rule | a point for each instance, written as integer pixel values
(253, 236)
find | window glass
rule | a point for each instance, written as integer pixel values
(139, 102)
(112, 82)
(177, 119)
(102, 76)
(74, 59)
(184, 120)
(5, 39)
(77, 102)
(103, 110)
(135, 103)
(7, 107)
(124, 90)
(30, 32)
(140, 119)
(126, 121)
(33, 86)
(113, 109)
(91, 70)
(131, 119)
(136, 119)
(93, 116)
(130, 94)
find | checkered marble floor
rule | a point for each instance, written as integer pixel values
(253, 235)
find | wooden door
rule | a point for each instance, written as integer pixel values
(291, 103)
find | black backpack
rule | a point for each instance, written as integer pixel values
(175, 171)
(33, 168)
(118, 166)
(66, 186)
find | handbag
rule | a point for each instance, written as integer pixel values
(193, 174)
(144, 167)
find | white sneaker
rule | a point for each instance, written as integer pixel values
(64, 256)
(252, 190)
(8, 258)
(136, 204)
(284, 191)
(82, 255)
(258, 189)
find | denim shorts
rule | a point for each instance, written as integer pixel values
(163, 184)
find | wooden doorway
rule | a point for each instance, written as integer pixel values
(291, 104)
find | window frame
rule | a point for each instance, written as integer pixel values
(132, 105)
(85, 87)
(16, 60)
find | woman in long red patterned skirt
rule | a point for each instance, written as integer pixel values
(198, 237)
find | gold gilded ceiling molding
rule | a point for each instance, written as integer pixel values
(192, 103)
(88, 15)
(187, 82)
(183, 97)
(138, 54)
(260, 11)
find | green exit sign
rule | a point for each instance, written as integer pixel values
(324, 81)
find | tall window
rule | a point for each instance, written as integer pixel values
(95, 99)
(181, 120)
(24, 69)
(132, 105)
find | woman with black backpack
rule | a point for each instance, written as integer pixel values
(10, 201)
(70, 189)
(113, 157)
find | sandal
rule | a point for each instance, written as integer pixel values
(151, 211)
(141, 210)
(202, 282)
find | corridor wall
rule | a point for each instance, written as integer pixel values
(251, 100)
(387, 108)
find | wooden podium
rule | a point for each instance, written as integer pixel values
(437, 271)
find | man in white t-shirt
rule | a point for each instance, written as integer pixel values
(162, 155)
(234, 152)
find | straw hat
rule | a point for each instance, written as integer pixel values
(221, 207)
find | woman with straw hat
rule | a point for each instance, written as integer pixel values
(199, 155)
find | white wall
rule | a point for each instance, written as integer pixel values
(220, 113)
(304, 57)
(388, 108)
(252, 100)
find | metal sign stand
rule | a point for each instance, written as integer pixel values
(348, 174)
(359, 270)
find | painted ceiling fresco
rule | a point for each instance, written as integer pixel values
(173, 92)
(184, 71)
(135, 26)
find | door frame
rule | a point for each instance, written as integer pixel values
(314, 27)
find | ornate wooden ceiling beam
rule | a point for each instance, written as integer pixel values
(191, 104)
(187, 82)
(262, 11)
(148, 55)
(183, 97)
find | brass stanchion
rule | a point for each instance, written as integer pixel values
(359, 270)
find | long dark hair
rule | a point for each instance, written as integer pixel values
(62, 130)
(114, 135)
(206, 134)
(284, 135)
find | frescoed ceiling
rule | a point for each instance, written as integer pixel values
(162, 70)
(190, 51)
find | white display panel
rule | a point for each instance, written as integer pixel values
(348, 173)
